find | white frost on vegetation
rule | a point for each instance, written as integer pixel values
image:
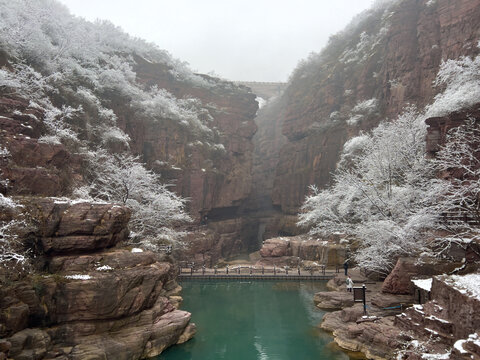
(361, 110)
(461, 79)
(382, 194)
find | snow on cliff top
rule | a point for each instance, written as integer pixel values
(466, 284)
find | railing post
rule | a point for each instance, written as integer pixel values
(364, 289)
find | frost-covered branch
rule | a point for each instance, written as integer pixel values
(12, 250)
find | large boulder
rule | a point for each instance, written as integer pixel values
(295, 249)
(333, 300)
(65, 227)
(92, 301)
(399, 281)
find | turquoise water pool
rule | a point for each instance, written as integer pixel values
(247, 320)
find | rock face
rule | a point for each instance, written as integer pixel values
(291, 250)
(217, 179)
(32, 167)
(446, 324)
(93, 300)
(367, 73)
(399, 281)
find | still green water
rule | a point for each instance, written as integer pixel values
(248, 320)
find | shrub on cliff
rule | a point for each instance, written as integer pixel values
(461, 81)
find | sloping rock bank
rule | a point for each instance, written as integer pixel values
(445, 327)
(302, 250)
(91, 301)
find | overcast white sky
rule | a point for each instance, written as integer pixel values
(256, 40)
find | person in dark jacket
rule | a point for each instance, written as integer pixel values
(345, 266)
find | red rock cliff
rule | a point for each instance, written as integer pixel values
(385, 60)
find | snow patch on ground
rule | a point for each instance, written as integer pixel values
(104, 268)
(431, 317)
(137, 250)
(465, 284)
(78, 277)
(436, 356)
(418, 308)
(425, 284)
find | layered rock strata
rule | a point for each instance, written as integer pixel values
(91, 299)
(214, 174)
(387, 58)
(302, 250)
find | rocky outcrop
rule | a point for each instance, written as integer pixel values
(377, 340)
(302, 249)
(32, 167)
(374, 333)
(444, 327)
(439, 126)
(447, 324)
(92, 299)
(213, 170)
(399, 281)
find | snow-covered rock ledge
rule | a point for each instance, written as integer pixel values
(94, 299)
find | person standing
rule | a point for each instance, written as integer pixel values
(345, 266)
(349, 282)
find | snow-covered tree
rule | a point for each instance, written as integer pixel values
(12, 250)
(156, 211)
(459, 163)
(461, 80)
(382, 194)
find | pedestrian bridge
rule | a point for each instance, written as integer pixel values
(256, 273)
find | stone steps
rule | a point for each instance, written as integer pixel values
(446, 320)
(427, 321)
